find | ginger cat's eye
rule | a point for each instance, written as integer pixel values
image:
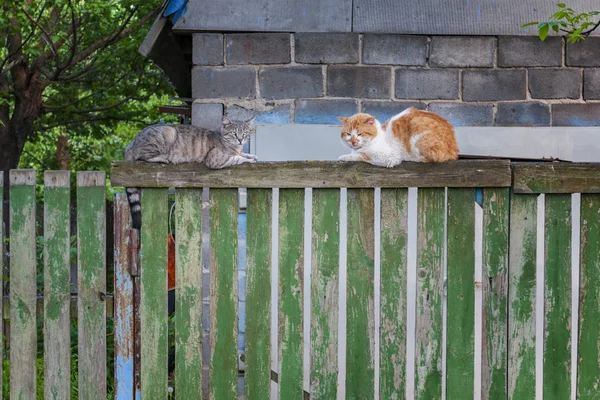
(359, 134)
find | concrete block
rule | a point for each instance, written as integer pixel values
(207, 115)
(491, 85)
(326, 48)
(462, 114)
(258, 48)
(555, 83)
(591, 84)
(576, 114)
(461, 51)
(435, 84)
(207, 49)
(290, 82)
(585, 53)
(321, 111)
(529, 51)
(394, 49)
(350, 81)
(523, 114)
(233, 82)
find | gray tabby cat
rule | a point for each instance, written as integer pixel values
(176, 144)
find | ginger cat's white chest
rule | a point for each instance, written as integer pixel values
(387, 152)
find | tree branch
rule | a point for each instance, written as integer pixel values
(93, 119)
(45, 34)
(108, 40)
(587, 33)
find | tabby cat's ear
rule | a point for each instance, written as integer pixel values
(251, 121)
(226, 121)
(343, 119)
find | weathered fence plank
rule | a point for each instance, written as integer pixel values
(123, 300)
(495, 292)
(2, 268)
(588, 373)
(315, 174)
(23, 336)
(57, 288)
(430, 288)
(556, 177)
(223, 293)
(188, 278)
(394, 238)
(461, 294)
(153, 307)
(325, 293)
(360, 298)
(557, 304)
(521, 302)
(291, 289)
(91, 282)
(258, 293)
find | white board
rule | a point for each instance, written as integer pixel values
(322, 142)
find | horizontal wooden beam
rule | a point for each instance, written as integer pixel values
(556, 178)
(175, 110)
(315, 174)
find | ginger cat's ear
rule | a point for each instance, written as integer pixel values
(370, 121)
(343, 119)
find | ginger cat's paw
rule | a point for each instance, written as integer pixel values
(350, 157)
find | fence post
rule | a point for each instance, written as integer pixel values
(153, 322)
(188, 318)
(2, 254)
(57, 293)
(223, 293)
(23, 335)
(91, 280)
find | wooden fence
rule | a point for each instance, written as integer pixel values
(482, 283)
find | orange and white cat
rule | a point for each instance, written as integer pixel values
(412, 135)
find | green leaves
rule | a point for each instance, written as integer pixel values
(543, 30)
(576, 26)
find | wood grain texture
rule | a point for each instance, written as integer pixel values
(268, 15)
(123, 299)
(461, 294)
(394, 238)
(495, 292)
(153, 308)
(188, 302)
(258, 293)
(223, 293)
(360, 298)
(521, 297)
(325, 293)
(57, 285)
(430, 289)
(91, 282)
(291, 290)
(23, 336)
(557, 304)
(316, 174)
(2, 267)
(556, 177)
(588, 373)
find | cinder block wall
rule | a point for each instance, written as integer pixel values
(471, 80)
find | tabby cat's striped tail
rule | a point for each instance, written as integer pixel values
(133, 195)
